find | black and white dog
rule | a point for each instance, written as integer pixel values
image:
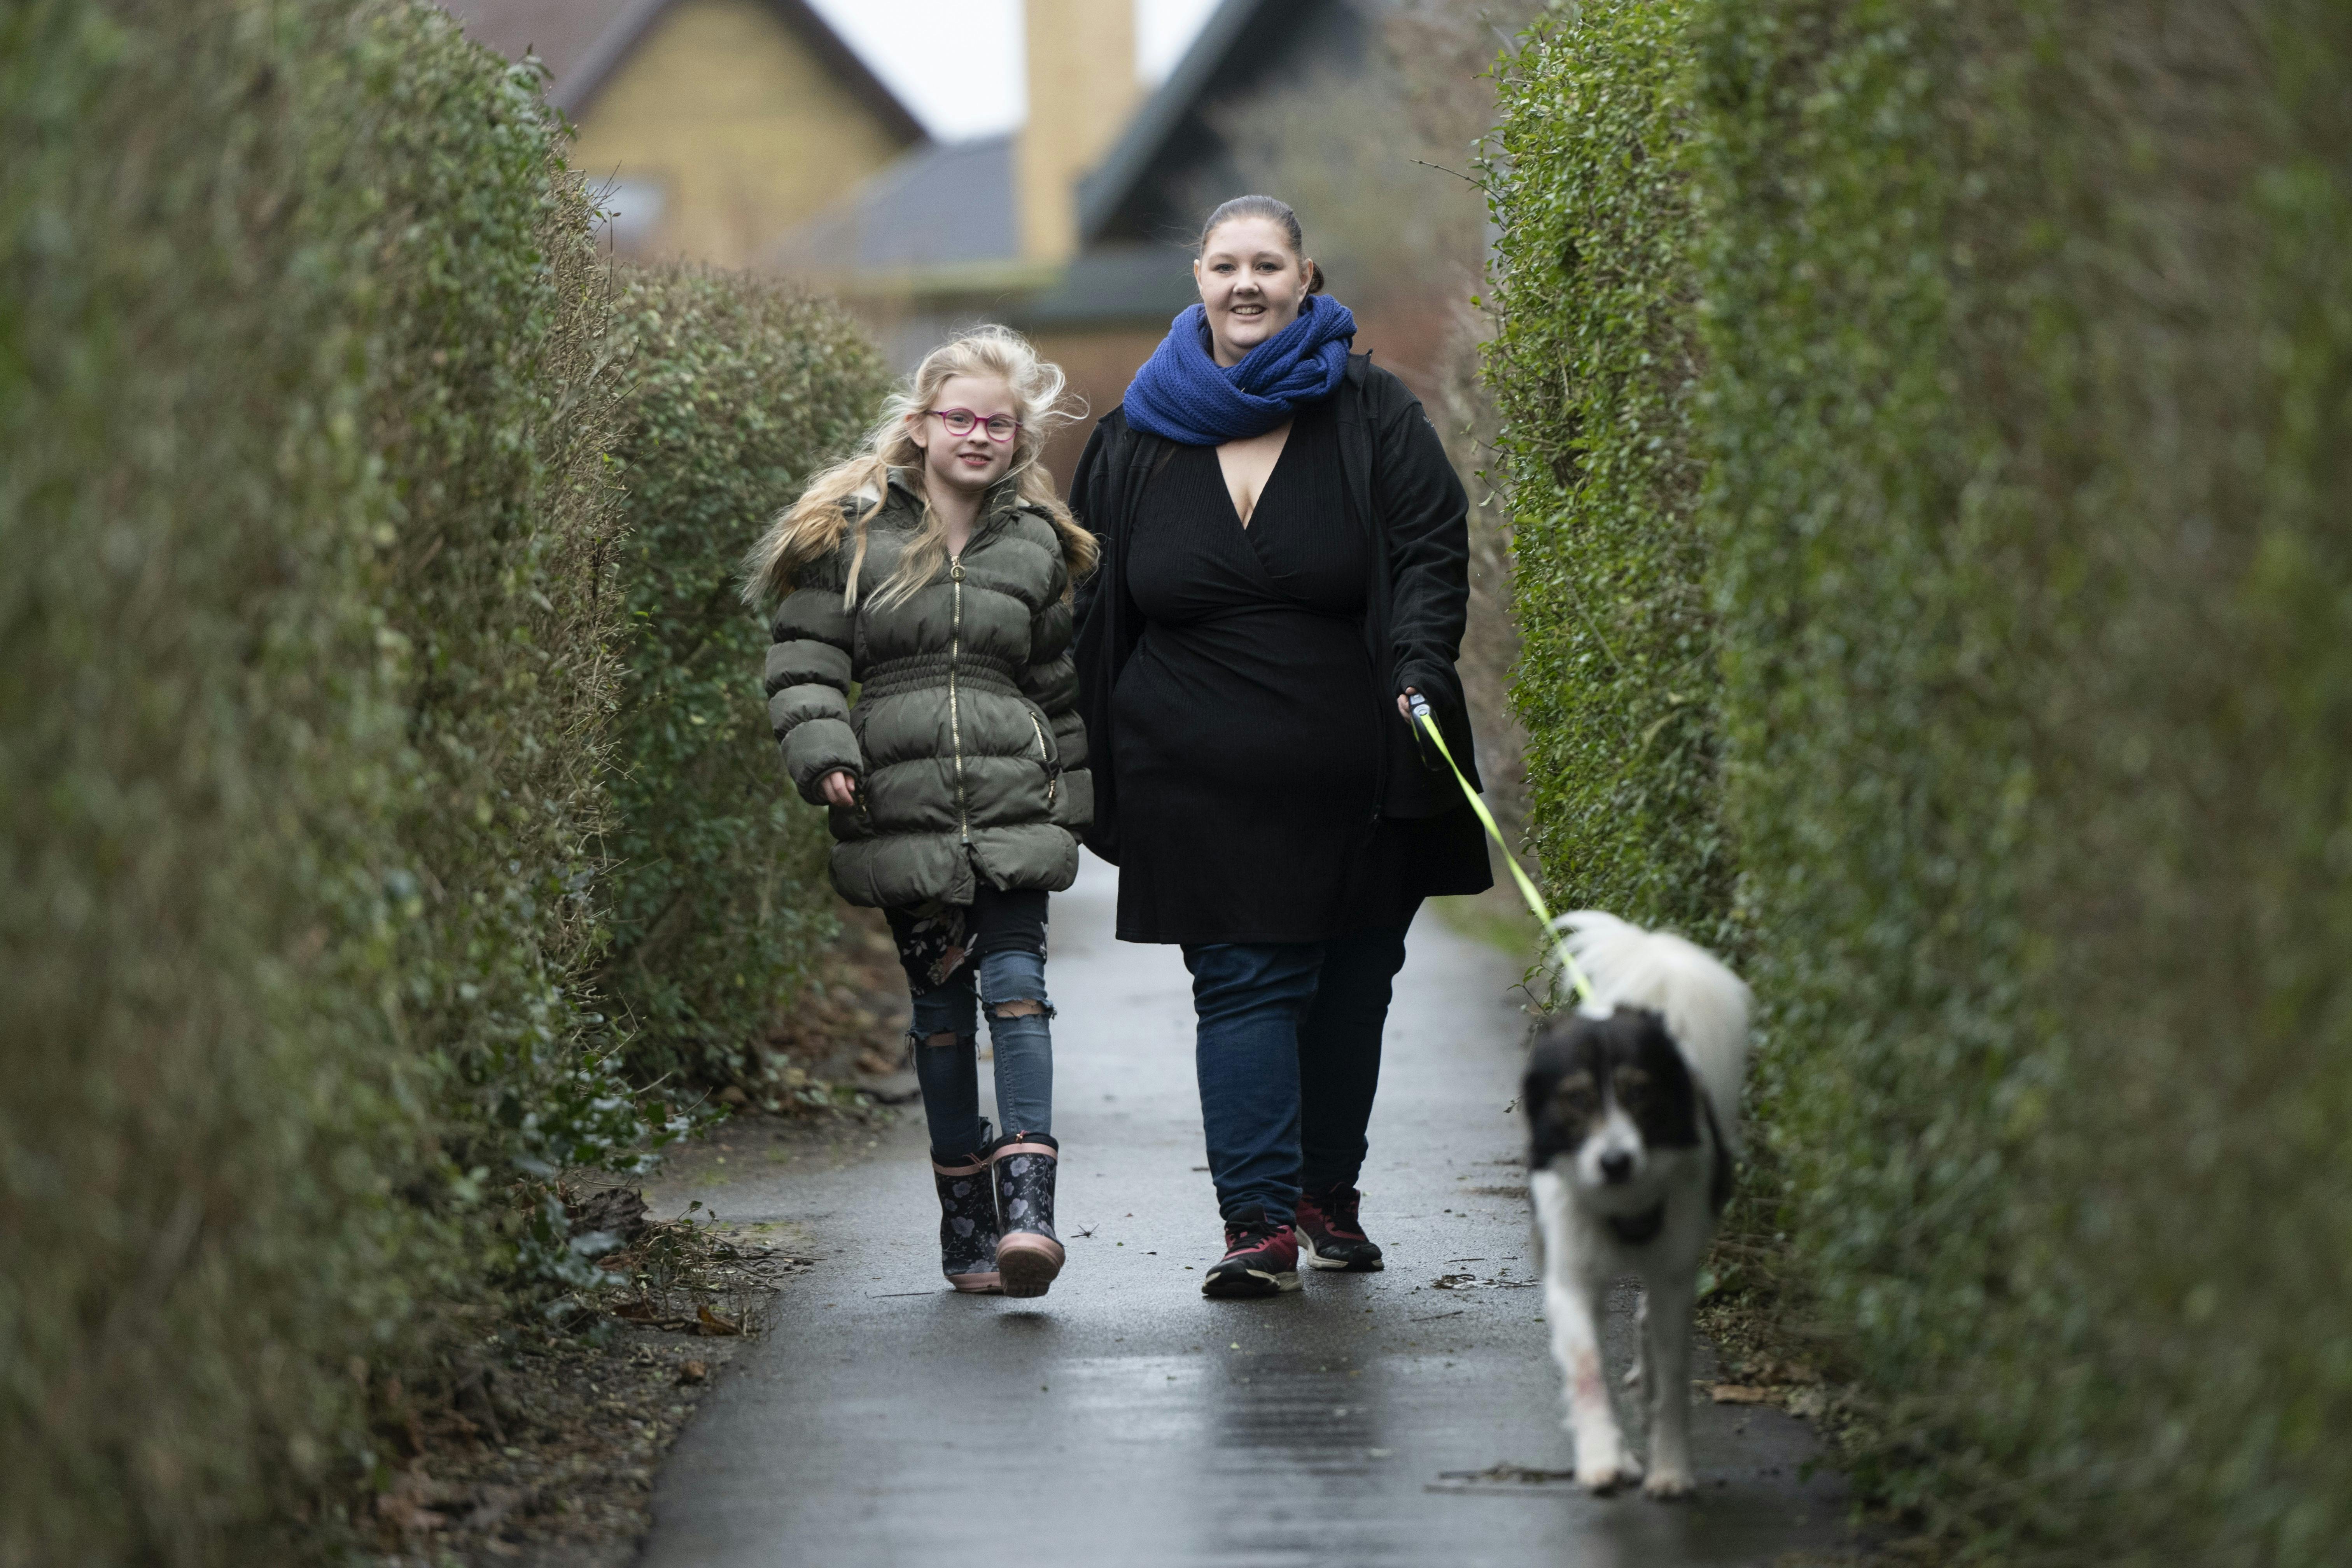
(1632, 1106)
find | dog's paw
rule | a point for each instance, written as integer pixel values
(1667, 1484)
(1607, 1472)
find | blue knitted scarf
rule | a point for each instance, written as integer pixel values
(1184, 396)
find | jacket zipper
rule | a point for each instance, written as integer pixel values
(955, 726)
(1045, 761)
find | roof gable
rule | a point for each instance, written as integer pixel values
(1102, 192)
(583, 42)
(1245, 47)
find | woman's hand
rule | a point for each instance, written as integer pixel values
(1404, 702)
(840, 787)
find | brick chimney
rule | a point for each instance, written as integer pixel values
(1082, 91)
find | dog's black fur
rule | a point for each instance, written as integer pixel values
(1580, 1066)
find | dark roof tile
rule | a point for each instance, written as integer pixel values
(947, 206)
(582, 41)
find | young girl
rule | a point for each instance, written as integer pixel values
(933, 571)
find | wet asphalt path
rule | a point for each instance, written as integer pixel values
(1125, 1420)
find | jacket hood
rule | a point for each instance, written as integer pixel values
(1000, 498)
(1000, 501)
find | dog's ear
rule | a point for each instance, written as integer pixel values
(1652, 1082)
(1655, 1085)
(1549, 1052)
(1720, 1182)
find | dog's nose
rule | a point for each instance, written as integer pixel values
(1616, 1166)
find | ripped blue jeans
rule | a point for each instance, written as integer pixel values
(960, 961)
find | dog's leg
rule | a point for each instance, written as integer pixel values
(1571, 1300)
(1635, 1373)
(1666, 1325)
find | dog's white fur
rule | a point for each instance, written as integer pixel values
(1705, 1007)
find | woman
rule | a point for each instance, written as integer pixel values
(1284, 555)
(932, 571)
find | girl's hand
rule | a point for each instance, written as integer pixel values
(840, 787)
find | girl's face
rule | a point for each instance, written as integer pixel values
(975, 459)
(1251, 284)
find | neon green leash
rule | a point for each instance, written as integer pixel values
(1528, 889)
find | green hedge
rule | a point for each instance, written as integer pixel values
(742, 389)
(200, 750)
(2034, 518)
(1595, 365)
(2026, 431)
(498, 386)
(313, 648)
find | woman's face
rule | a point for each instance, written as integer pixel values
(1251, 285)
(973, 460)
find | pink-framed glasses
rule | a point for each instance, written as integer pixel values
(1001, 427)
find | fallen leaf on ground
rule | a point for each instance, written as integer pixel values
(712, 1323)
(1738, 1393)
(694, 1371)
(410, 1519)
(494, 1505)
(1522, 1474)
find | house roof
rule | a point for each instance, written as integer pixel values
(1131, 284)
(955, 206)
(941, 220)
(582, 42)
(1105, 189)
(944, 216)
(949, 205)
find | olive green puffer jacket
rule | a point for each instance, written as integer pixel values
(965, 742)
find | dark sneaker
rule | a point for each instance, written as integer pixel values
(1261, 1260)
(1331, 1236)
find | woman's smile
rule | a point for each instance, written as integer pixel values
(1251, 281)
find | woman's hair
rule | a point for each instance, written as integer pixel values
(1269, 208)
(845, 496)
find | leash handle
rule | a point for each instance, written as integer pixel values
(1426, 720)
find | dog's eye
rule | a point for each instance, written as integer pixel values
(1633, 1087)
(1576, 1096)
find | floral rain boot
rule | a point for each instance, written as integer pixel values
(968, 1236)
(1028, 1253)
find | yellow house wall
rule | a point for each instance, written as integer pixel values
(740, 124)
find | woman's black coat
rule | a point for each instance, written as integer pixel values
(1399, 480)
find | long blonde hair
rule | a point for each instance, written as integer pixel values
(847, 495)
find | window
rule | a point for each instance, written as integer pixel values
(633, 214)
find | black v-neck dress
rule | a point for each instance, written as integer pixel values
(1249, 752)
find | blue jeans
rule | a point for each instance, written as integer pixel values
(1288, 1051)
(950, 1074)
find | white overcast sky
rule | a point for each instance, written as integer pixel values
(958, 63)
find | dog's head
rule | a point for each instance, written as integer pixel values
(1608, 1101)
